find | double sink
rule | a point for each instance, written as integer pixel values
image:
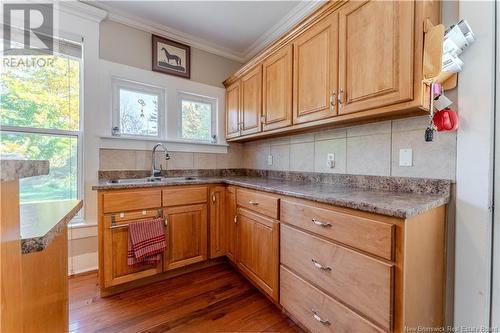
(149, 180)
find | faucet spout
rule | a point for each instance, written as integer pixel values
(155, 172)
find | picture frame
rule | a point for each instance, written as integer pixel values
(171, 57)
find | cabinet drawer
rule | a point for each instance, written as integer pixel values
(300, 299)
(130, 200)
(258, 202)
(359, 232)
(176, 196)
(360, 281)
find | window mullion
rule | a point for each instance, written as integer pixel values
(35, 130)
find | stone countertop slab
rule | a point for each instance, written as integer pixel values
(41, 222)
(391, 203)
(16, 169)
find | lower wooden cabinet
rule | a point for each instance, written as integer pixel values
(258, 250)
(114, 252)
(218, 238)
(231, 220)
(186, 234)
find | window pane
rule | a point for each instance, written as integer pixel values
(196, 120)
(40, 91)
(138, 113)
(61, 151)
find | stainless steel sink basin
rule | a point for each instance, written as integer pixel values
(148, 180)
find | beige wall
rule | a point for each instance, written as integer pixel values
(129, 46)
(371, 149)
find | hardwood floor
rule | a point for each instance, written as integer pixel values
(215, 299)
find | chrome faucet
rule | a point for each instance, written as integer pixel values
(155, 172)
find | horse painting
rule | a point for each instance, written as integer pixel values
(177, 59)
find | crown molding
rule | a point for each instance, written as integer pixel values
(298, 13)
(82, 10)
(171, 33)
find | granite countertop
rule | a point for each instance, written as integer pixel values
(11, 169)
(391, 203)
(41, 222)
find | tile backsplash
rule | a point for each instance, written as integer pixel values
(371, 149)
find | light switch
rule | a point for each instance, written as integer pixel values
(330, 160)
(269, 159)
(406, 157)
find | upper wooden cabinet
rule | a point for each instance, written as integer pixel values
(233, 108)
(352, 61)
(251, 101)
(376, 54)
(315, 71)
(277, 89)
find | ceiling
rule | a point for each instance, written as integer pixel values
(235, 29)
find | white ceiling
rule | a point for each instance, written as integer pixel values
(236, 29)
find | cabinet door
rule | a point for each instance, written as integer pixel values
(115, 250)
(251, 101)
(231, 221)
(277, 89)
(315, 71)
(375, 54)
(186, 235)
(258, 248)
(218, 231)
(233, 109)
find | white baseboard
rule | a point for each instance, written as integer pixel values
(83, 263)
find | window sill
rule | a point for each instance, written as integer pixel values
(123, 142)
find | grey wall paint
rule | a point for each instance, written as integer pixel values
(129, 46)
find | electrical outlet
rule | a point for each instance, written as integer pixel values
(330, 160)
(406, 157)
(269, 160)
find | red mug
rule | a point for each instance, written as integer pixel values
(446, 120)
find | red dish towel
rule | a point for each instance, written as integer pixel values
(146, 242)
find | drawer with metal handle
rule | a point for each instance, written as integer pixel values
(362, 282)
(359, 232)
(317, 311)
(258, 202)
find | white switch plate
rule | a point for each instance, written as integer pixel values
(406, 157)
(269, 159)
(330, 160)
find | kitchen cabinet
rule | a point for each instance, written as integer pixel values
(218, 228)
(277, 89)
(231, 220)
(375, 54)
(258, 248)
(315, 69)
(352, 62)
(186, 234)
(233, 109)
(114, 247)
(251, 101)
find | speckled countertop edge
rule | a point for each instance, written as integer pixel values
(390, 203)
(37, 244)
(16, 169)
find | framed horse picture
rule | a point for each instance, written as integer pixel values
(171, 57)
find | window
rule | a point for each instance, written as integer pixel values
(137, 109)
(40, 120)
(197, 118)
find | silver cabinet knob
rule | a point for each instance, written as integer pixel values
(317, 317)
(318, 265)
(321, 224)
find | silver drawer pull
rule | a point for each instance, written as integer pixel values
(320, 266)
(321, 224)
(316, 316)
(253, 203)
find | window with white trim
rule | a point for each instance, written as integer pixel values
(197, 118)
(138, 109)
(40, 120)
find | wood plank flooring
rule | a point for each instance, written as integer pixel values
(215, 299)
